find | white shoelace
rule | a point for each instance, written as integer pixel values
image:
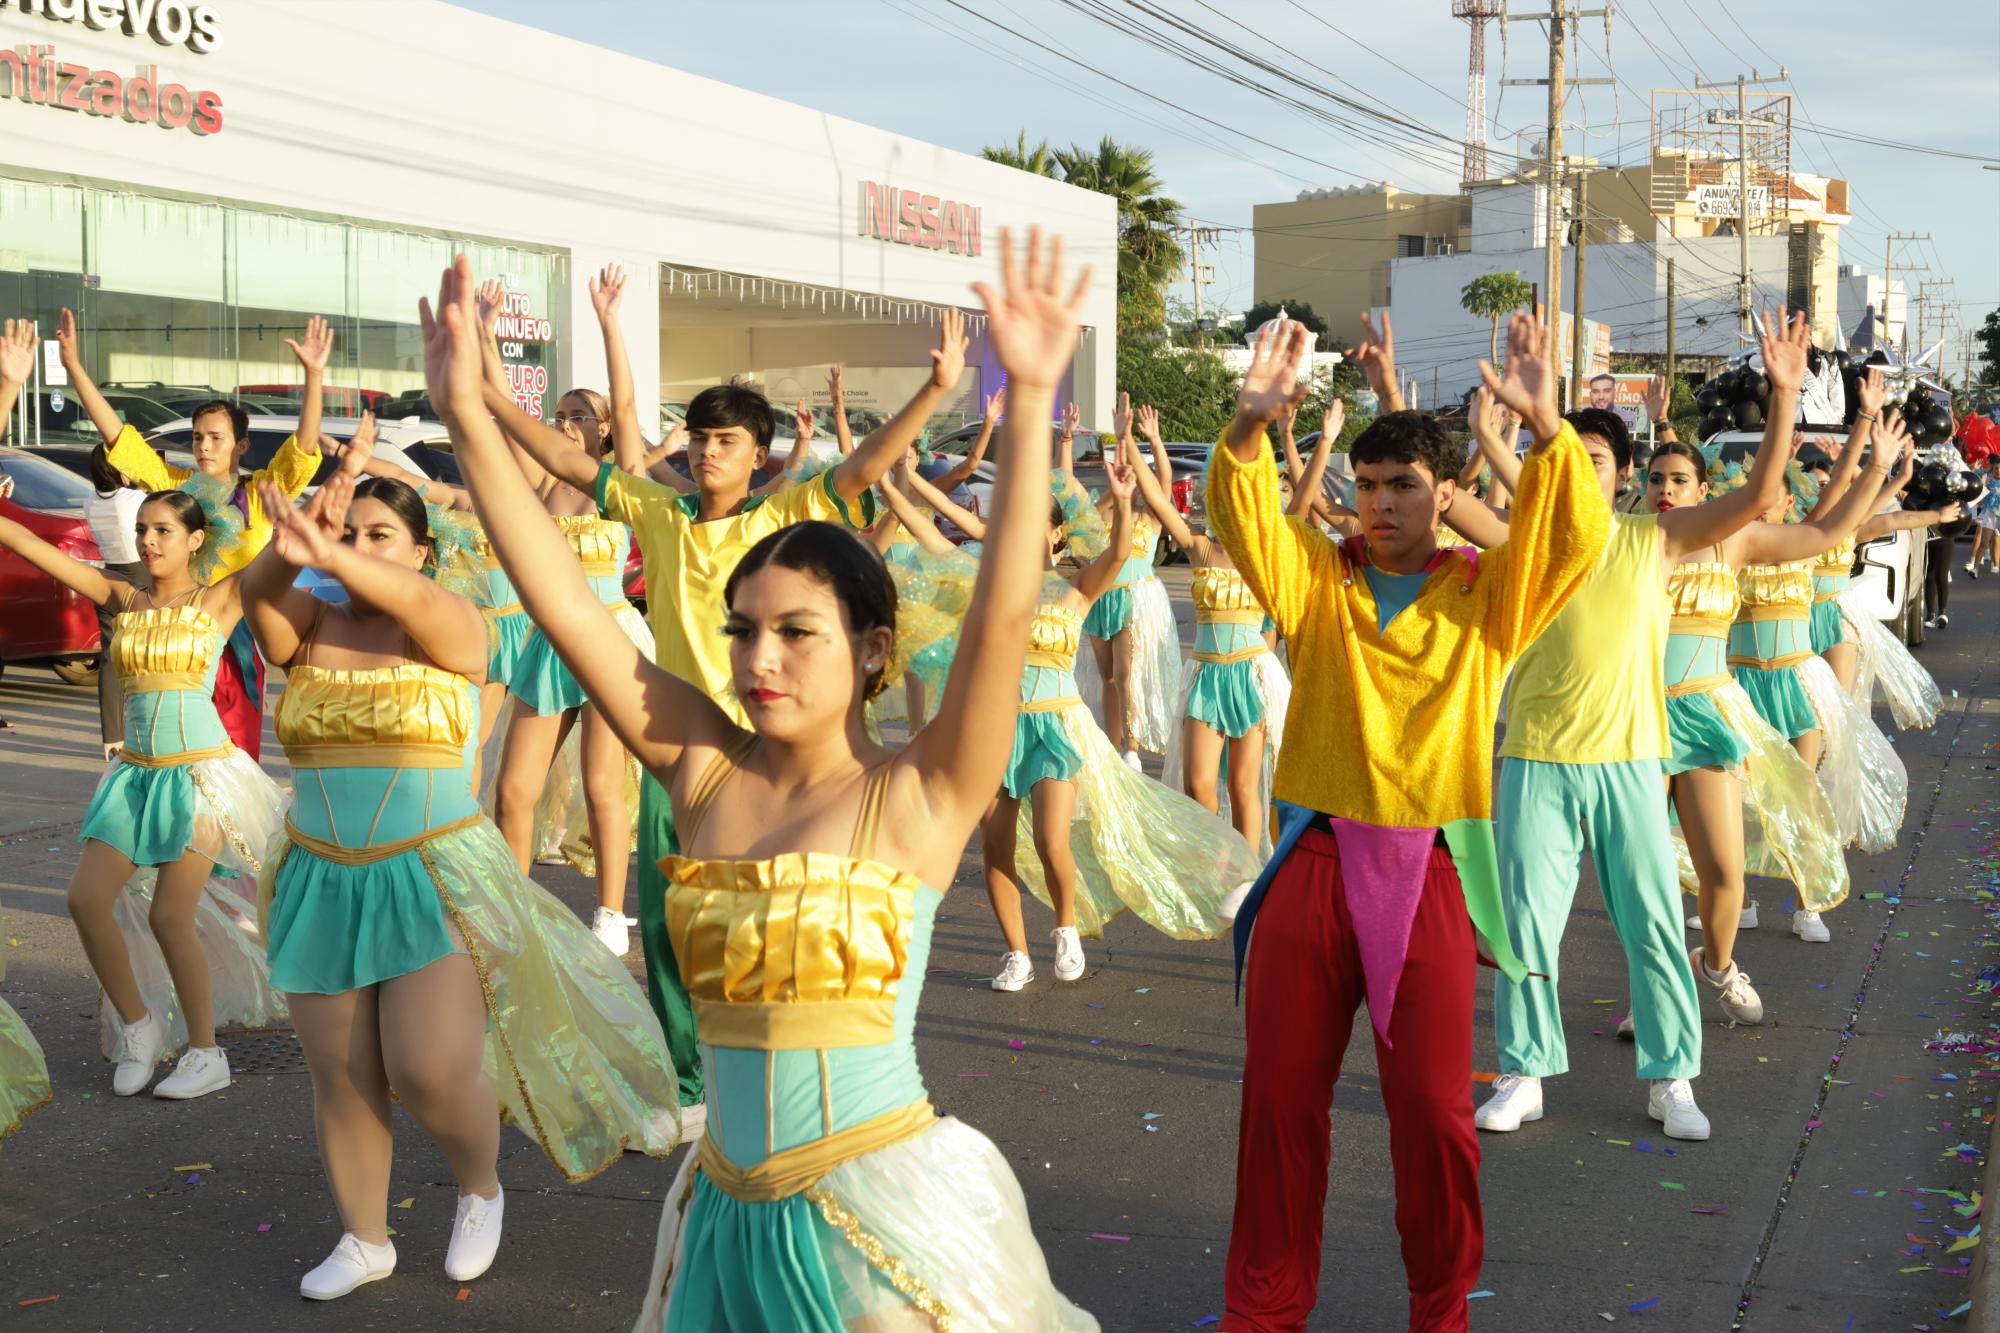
(477, 1210)
(128, 1042)
(1503, 1087)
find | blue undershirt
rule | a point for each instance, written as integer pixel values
(1392, 592)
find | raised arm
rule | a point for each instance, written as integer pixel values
(663, 471)
(655, 713)
(279, 613)
(1905, 520)
(1489, 433)
(843, 434)
(1032, 328)
(880, 449)
(913, 520)
(1377, 355)
(1274, 553)
(357, 459)
(1870, 394)
(966, 466)
(548, 448)
(628, 440)
(1307, 481)
(314, 351)
(1159, 498)
(1771, 543)
(802, 433)
(87, 581)
(17, 365)
(491, 302)
(1691, 529)
(1072, 417)
(1121, 480)
(102, 415)
(923, 492)
(1659, 403)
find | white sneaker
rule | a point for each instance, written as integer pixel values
(1733, 991)
(202, 1070)
(1516, 1100)
(613, 931)
(351, 1264)
(139, 1047)
(1069, 953)
(1016, 971)
(1626, 1031)
(1808, 927)
(1747, 921)
(1671, 1102)
(1132, 761)
(475, 1236)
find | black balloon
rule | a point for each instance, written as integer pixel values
(1750, 414)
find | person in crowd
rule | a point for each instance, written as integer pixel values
(819, 1194)
(413, 952)
(1985, 517)
(1382, 885)
(112, 511)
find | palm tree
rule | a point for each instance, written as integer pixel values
(1149, 249)
(1492, 295)
(1036, 161)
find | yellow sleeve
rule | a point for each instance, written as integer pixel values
(291, 469)
(131, 455)
(1273, 552)
(624, 498)
(1555, 536)
(816, 498)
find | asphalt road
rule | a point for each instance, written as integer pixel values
(1807, 1210)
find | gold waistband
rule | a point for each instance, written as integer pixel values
(795, 1170)
(1223, 659)
(130, 756)
(1699, 685)
(381, 851)
(1053, 661)
(500, 612)
(374, 756)
(1781, 612)
(156, 682)
(1828, 596)
(1248, 616)
(601, 569)
(795, 1026)
(1769, 663)
(1051, 705)
(1700, 627)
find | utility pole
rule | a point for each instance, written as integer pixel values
(1558, 18)
(1888, 269)
(1741, 120)
(1203, 274)
(1670, 332)
(1579, 237)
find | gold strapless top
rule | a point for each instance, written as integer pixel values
(482, 547)
(799, 952)
(1701, 598)
(1787, 585)
(1222, 597)
(1144, 533)
(598, 542)
(164, 648)
(405, 716)
(1054, 637)
(1840, 560)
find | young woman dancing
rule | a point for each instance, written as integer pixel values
(1233, 691)
(827, 1193)
(413, 952)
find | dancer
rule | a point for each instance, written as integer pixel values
(1233, 691)
(24, 1070)
(173, 948)
(112, 512)
(1881, 661)
(1383, 880)
(1985, 517)
(221, 435)
(879, 1209)
(413, 952)
(1135, 644)
(691, 543)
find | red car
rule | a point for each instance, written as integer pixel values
(40, 620)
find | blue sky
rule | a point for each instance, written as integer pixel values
(965, 73)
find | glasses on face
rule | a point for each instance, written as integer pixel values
(575, 418)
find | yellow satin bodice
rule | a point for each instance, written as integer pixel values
(598, 542)
(404, 716)
(1054, 637)
(1222, 595)
(1145, 532)
(164, 648)
(1840, 560)
(1788, 585)
(1702, 592)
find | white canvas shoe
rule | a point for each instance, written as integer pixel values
(1516, 1100)
(1671, 1102)
(351, 1264)
(139, 1047)
(202, 1070)
(1069, 953)
(475, 1236)
(1808, 927)
(1016, 971)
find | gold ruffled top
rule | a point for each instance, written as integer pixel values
(1840, 560)
(406, 716)
(599, 543)
(1702, 595)
(1773, 623)
(165, 648)
(1054, 638)
(1221, 596)
(1786, 585)
(1138, 566)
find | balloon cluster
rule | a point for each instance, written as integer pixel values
(1941, 477)
(1736, 399)
(1928, 420)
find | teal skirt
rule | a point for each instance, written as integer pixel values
(1699, 736)
(755, 1265)
(1226, 697)
(1109, 614)
(506, 637)
(1827, 629)
(145, 814)
(1042, 750)
(336, 928)
(1779, 699)
(541, 681)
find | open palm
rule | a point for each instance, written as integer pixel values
(1030, 325)
(1271, 384)
(17, 351)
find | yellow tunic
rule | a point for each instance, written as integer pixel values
(291, 470)
(1395, 727)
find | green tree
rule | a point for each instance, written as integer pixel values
(1492, 295)
(1298, 311)
(1193, 391)
(1036, 161)
(1988, 337)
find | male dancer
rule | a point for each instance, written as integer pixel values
(221, 434)
(1585, 753)
(691, 543)
(1384, 866)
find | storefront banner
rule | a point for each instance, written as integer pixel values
(883, 389)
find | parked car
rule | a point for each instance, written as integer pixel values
(394, 442)
(44, 621)
(343, 399)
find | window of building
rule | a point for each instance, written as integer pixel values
(1409, 247)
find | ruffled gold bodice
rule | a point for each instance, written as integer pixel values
(1145, 532)
(1702, 597)
(599, 543)
(1838, 561)
(1054, 637)
(1787, 585)
(164, 648)
(482, 547)
(802, 951)
(404, 716)
(1221, 596)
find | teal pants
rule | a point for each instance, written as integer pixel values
(1543, 815)
(663, 974)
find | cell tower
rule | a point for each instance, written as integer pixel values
(1475, 13)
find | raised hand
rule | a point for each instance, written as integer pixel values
(1528, 387)
(355, 455)
(1120, 478)
(1288, 418)
(607, 289)
(1784, 347)
(1272, 383)
(1030, 324)
(996, 405)
(802, 421)
(17, 352)
(835, 386)
(1332, 419)
(492, 299)
(452, 369)
(1871, 392)
(1072, 417)
(308, 535)
(948, 361)
(1121, 418)
(316, 348)
(1659, 398)
(1377, 355)
(66, 337)
(1951, 513)
(1148, 418)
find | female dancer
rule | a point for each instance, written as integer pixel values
(1135, 645)
(24, 1070)
(1233, 692)
(414, 953)
(178, 800)
(827, 1193)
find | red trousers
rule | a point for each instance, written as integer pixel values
(1302, 987)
